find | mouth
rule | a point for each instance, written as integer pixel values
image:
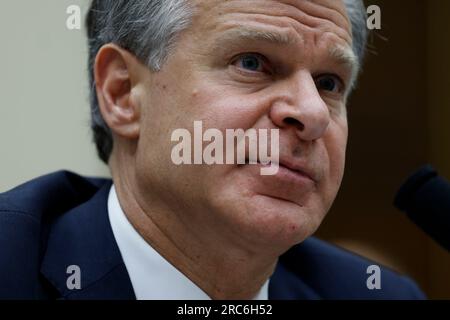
(288, 169)
(299, 170)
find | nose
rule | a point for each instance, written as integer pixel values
(299, 105)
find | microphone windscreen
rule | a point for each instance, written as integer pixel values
(425, 197)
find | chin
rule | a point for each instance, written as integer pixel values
(282, 222)
(270, 224)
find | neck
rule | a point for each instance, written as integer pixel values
(220, 268)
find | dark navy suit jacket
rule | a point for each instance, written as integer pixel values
(61, 219)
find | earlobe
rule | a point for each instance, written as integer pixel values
(113, 72)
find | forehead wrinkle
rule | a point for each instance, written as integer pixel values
(251, 33)
(314, 8)
(290, 16)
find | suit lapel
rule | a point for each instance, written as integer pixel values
(83, 238)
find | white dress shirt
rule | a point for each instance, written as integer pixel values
(152, 276)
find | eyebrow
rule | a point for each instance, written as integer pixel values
(344, 55)
(255, 34)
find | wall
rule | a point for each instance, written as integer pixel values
(438, 104)
(44, 122)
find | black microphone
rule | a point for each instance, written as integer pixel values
(425, 197)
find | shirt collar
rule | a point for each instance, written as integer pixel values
(152, 276)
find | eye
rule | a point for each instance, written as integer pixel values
(250, 62)
(329, 83)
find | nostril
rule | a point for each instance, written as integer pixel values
(294, 122)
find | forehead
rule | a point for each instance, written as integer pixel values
(322, 16)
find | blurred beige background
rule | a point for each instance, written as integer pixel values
(398, 121)
(44, 117)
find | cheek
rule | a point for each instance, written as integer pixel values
(222, 106)
(160, 116)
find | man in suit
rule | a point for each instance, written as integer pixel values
(160, 230)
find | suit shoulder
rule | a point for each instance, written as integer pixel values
(26, 215)
(337, 273)
(50, 194)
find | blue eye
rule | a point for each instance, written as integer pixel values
(251, 62)
(328, 83)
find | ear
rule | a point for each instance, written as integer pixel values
(115, 77)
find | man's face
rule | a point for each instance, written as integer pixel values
(261, 64)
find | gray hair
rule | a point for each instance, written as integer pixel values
(357, 14)
(148, 29)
